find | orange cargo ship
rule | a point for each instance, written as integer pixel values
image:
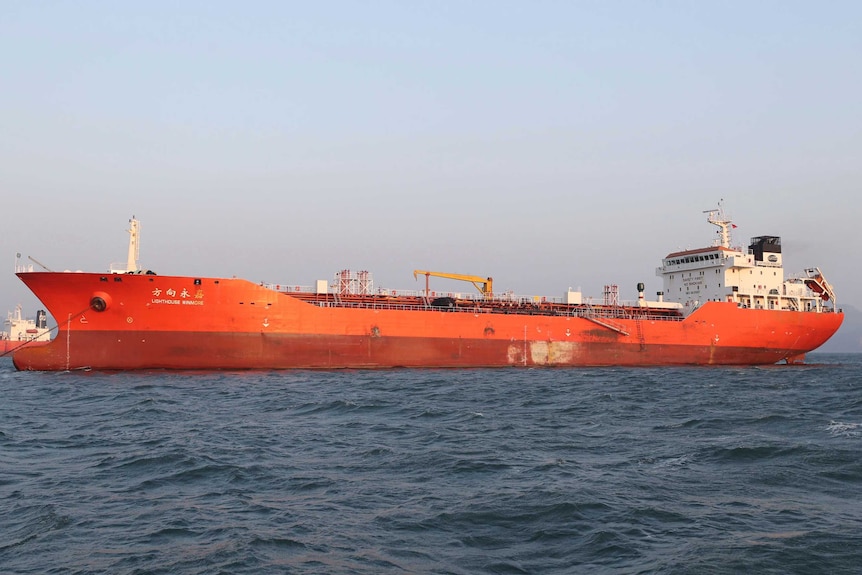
(720, 306)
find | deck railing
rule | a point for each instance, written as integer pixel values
(573, 311)
(507, 297)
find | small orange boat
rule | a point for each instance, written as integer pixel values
(720, 305)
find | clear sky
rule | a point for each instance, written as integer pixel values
(547, 144)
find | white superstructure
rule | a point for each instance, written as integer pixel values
(753, 278)
(18, 328)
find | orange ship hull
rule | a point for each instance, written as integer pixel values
(8, 346)
(173, 322)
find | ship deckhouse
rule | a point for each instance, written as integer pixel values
(753, 278)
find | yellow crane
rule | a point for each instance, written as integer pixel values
(484, 285)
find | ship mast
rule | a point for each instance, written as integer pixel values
(134, 250)
(717, 218)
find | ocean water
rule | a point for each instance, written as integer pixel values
(673, 470)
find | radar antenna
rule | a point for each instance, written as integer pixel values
(717, 218)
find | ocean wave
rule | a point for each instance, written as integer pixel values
(842, 429)
(411, 471)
